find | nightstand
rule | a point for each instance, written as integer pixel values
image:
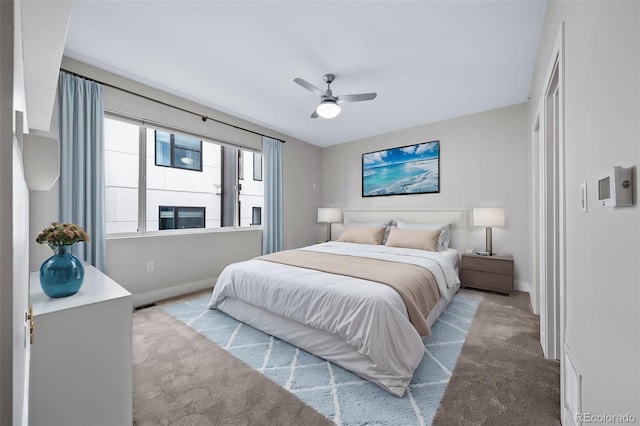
(493, 273)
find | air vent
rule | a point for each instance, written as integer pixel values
(572, 390)
(150, 305)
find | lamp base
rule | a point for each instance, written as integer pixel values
(489, 242)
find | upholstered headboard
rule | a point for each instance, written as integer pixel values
(457, 218)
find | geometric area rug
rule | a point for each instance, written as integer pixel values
(341, 396)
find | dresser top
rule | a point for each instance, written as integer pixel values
(96, 288)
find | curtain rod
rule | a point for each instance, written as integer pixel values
(174, 129)
(203, 117)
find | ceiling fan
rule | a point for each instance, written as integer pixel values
(330, 105)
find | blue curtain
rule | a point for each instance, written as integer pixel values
(272, 227)
(82, 164)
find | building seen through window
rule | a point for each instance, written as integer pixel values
(187, 182)
(178, 151)
(181, 217)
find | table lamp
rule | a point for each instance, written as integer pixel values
(488, 217)
(329, 215)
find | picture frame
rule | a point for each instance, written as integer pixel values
(405, 170)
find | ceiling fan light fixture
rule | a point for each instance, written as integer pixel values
(328, 109)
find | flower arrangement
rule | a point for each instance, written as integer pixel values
(62, 234)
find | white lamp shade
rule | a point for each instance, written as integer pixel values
(329, 214)
(491, 216)
(328, 109)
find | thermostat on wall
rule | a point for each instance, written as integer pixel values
(615, 187)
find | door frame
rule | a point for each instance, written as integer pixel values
(550, 240)
(535, 225)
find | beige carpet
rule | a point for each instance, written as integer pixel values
(501, 378)
(182, 378)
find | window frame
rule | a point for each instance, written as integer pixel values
(145, 125)
(253, 212)
(257, 154)
(176, 216)
(172, 148)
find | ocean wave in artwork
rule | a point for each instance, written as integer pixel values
(407, 178)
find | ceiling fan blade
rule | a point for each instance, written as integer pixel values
(315, 114)
(310, 87)
(356, 98)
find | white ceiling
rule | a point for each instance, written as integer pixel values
(427, 60)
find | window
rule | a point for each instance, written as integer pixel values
(149, 187)
(257, 166)
(121, 145)
(240, 165)
(251, 190)
(256, 216)
(181, 217)
(180, 152)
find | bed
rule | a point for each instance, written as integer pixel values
(360, 324)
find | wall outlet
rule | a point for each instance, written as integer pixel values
(151, 266)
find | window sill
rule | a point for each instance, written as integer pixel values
(179, 232)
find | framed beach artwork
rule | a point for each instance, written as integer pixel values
(411, 169)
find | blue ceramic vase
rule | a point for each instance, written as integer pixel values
(62, 274)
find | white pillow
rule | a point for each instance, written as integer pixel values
(445, 228)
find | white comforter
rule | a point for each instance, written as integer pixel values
(370, 316)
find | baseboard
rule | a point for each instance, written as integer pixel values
(169, 292)
(526, 287)
(534, 303)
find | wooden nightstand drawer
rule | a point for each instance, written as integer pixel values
(488, 281)
(488, 264)
(487, 272)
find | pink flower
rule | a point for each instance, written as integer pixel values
(62, 234)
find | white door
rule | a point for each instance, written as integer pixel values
(21, 347)
(14, 235)
(21, 322)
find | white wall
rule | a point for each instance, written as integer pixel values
(483, 163)
(197, 258)
(182, 262)
(302, 188)
(602, 129)
(43, 205)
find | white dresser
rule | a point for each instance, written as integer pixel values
(81, 366)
